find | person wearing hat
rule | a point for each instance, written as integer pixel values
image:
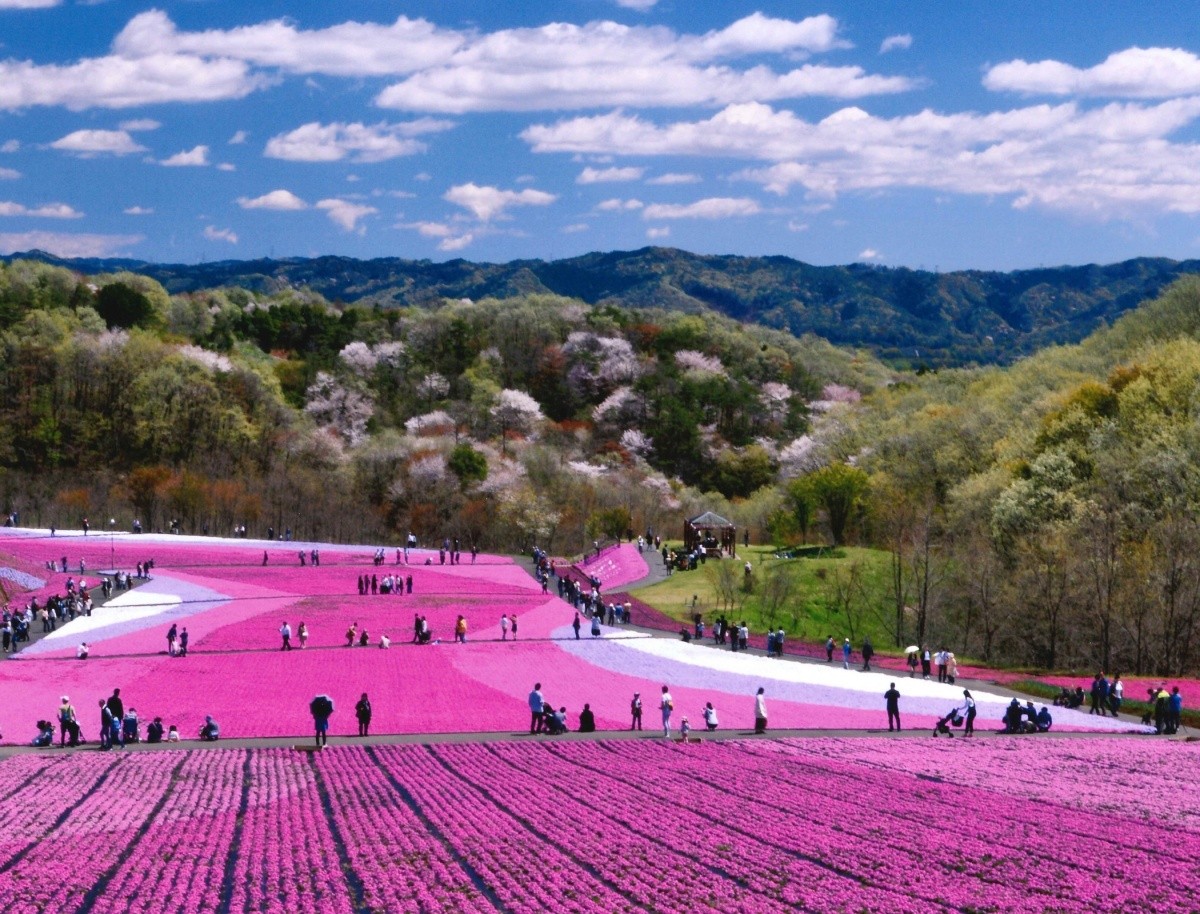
(846, 650)
(68, 727)
(635, 711)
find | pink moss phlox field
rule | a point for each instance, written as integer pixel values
(823, 825)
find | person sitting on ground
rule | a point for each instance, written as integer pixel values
(172, 734)
(1043, 721)
(710, 716)
(45, 735)
(154, 731)
(557, 721)
(385, 642)
(1012, 717)
(81, 652)
(210, 732)
(1029, 712)
(587, 720)
(1077, 699)
(364, 639)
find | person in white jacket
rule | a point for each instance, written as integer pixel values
(710, 716)
(760, 711)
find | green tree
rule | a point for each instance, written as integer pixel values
(613, 523)
(468, 465)
(839, 490)
(124, 306)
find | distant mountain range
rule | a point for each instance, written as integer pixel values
(907, 317)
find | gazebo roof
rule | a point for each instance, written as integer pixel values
(709, 519)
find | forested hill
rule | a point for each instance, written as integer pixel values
(909, 317)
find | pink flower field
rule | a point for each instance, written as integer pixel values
(846, 825)
(233, 606)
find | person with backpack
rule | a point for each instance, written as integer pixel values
(67, 725)
(321, 709)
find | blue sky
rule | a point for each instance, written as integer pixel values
(925, 134)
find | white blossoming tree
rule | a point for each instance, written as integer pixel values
(515, 411)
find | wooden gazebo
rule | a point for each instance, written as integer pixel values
(711, 531)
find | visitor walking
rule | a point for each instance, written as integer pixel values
(575, 624)
(635, 712)
(537, 708)
(892, 698)
(846, 651)
(868, 651)
(667, 705)
(969, 704)
(760, 711)
(285, 632)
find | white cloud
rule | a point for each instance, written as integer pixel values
(238, 138)
(895, 43)
(709, 208)
(124, 82)
(196, 156)
(616, 204)
(140, 124)
(600, 175)
(277, 200)
(9, 174)
(575, 228)
(45, 211)
(10, 146)
(606, 64)
(226, 166)
(345, 213)
(138, 211)
(212, 233)
(456, 243)
(640, 5)
(90, 143)
(673, 177)
(1132, 73)
(316, 142)
(868, 254)
(487, 203)
(659, 232)
(1114, 160)
(346, 49)
(68, 245)
(28, 4)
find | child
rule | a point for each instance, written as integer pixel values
(684, 729)
(173, 734)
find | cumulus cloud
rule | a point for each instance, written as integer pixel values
(238, 138)
(346, 49)
(45, 211)
(138, 211)
(604, 64)
(90, 143)
(317, 142)
(658, 232)
(616, 205)
(276, 200)
(895, 43)
(710, 208)
(9, 174)
(196, 156)
(1132, 73)
(124, 82)
(487, 203)
(212, 233)
(28, 4)
(868, 254)
(10, 146)
(673, 177)
(639, 5)
(68, 245)
(601, 175)
(345, 213)
(1113, 160)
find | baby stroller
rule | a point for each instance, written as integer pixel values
(953, 719)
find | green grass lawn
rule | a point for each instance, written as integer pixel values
(811, 611)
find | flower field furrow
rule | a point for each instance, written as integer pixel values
(527, 875)
(671, 836)
(570, 822)
(286, 861)
(943, 850)
(22, 772)
(402, 866)
(1006, 824)
(30, 814)
(186, 846)
(1136, 779)
(93, 835)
